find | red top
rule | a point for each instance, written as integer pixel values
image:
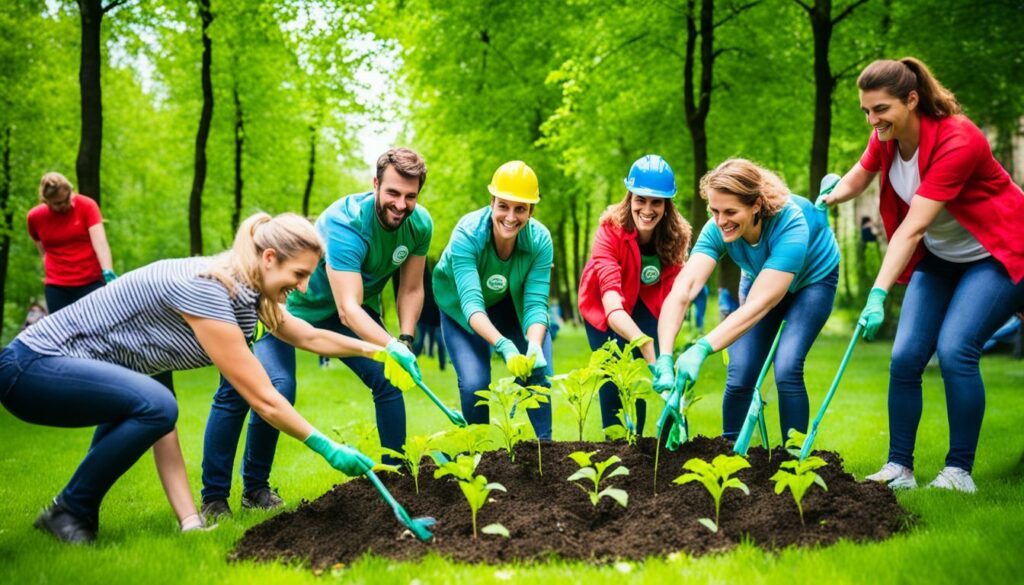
(615, 266)
(957, 166)
(70, 259)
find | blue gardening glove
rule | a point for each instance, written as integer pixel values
(343, 458)
(828, 184)
(688, 365)
(664, 376)
(405, 358)
(506, 349)
(874, 312)
(537, 352)
(109, 275)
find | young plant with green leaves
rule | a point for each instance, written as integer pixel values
(416, 448)
(800, 479)
(795, 442)
(506, 399)
(580, 386)
(521, 366)
(716, 477)
(470, 439)
(632, 379)
(594, 472)
(363, 436)
(474, 487)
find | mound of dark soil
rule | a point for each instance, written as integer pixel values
(548, 517)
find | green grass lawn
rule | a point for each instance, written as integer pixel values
(958, 539)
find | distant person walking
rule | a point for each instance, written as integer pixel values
(67, 228)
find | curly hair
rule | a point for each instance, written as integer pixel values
(749, 183)
(672, 235)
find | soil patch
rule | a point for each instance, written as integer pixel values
(547, 517)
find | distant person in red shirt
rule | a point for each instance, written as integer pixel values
(68, 230)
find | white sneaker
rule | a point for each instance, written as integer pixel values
(895, 476)
(954, 478)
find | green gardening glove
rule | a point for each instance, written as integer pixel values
(663, 373)
(399, 352)
(874, 313)
(506, 349)
(688, 365)
(109, 275)
(341, 457)
(828, 184)
(537, 352)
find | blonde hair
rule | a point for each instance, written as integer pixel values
(671, 236)
(750, 183)
(52, 186)
(899, 78)
(288, 234)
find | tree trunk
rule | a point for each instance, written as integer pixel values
(824, 86)
(312, 171)
(8, 219)
(560, 274)
(576, 240)
(236, 214)
(195, 201)
(90, 143)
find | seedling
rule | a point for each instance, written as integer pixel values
(595, 472)
(521, 366)
(580, 386)
(504, 398)
(470, 440)
(716, 478)
(415, 448)
(474, 487)
(800, 479)
(795, 442)
(631, 377)
(363, 436)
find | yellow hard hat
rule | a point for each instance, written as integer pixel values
(515, 181)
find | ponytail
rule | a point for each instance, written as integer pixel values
(899, 78)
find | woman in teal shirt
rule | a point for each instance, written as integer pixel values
(790, 263)
(492, 284)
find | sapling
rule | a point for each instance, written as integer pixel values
(470, 439)
(415, 448)
(474, 487)
(800, 479)
(631, 377)
(580, 386)
(595, 472)
(504, 398)
(716, 478)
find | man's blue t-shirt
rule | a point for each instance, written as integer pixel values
(797, 240)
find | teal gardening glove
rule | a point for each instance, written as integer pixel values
(405, 358)
(874, 313)
(663, 373)
(688, 365)
(506, 349)
(537, 352)
(109, 275)
(341, 457)
(828, 184)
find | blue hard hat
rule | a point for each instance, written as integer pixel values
(650, 176)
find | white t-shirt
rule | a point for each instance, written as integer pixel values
(945, 237)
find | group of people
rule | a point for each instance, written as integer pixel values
(953, 217)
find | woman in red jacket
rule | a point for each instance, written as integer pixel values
(954, 219)
(639, 247)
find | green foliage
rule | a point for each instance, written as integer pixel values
(416, 448)
(795, 442)
(521, 366)
(632, 379)
(594, 471)
(474, 487)
(506, 399)
(470, 439)
(716, 477)
(800, 479)
(364, 437)
(580, 386)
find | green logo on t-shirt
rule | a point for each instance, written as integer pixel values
(650, 274)
(401, 253)
(497, 283)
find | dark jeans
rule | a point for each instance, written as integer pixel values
(58, 297)
(805, 312)
(229, 409)
(471, 356)
(130, 411)
(953, 309)
(429, 339)
(609, 394)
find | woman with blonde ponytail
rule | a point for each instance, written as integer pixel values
(954, 218)
(89, 364)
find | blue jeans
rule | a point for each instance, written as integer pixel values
(805, 312)
(130, 411)
(229, 409)
(471, 356)
(953, 309)
(609, 394)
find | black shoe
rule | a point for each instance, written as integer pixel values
(262, 499)
(214, 509)
(65, 526)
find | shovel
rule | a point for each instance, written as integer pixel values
(755, 415)
(454, 416)
(806, 449)
(672, 408)
(418, 526)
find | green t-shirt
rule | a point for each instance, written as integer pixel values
(356, 242)
(494, 275)
(650, 269)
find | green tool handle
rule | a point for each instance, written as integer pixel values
(673, 400)
(384, 493)
(806, 449)
(755, 416)
(456, 418)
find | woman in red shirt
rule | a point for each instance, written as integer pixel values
(954, 219)
(639, 247)
(68, 230)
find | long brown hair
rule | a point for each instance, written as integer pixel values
(899, 78)
(671, 236)
(750, 183)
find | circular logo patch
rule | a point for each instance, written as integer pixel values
(650, 274)
(497, 283)
(401, 253)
